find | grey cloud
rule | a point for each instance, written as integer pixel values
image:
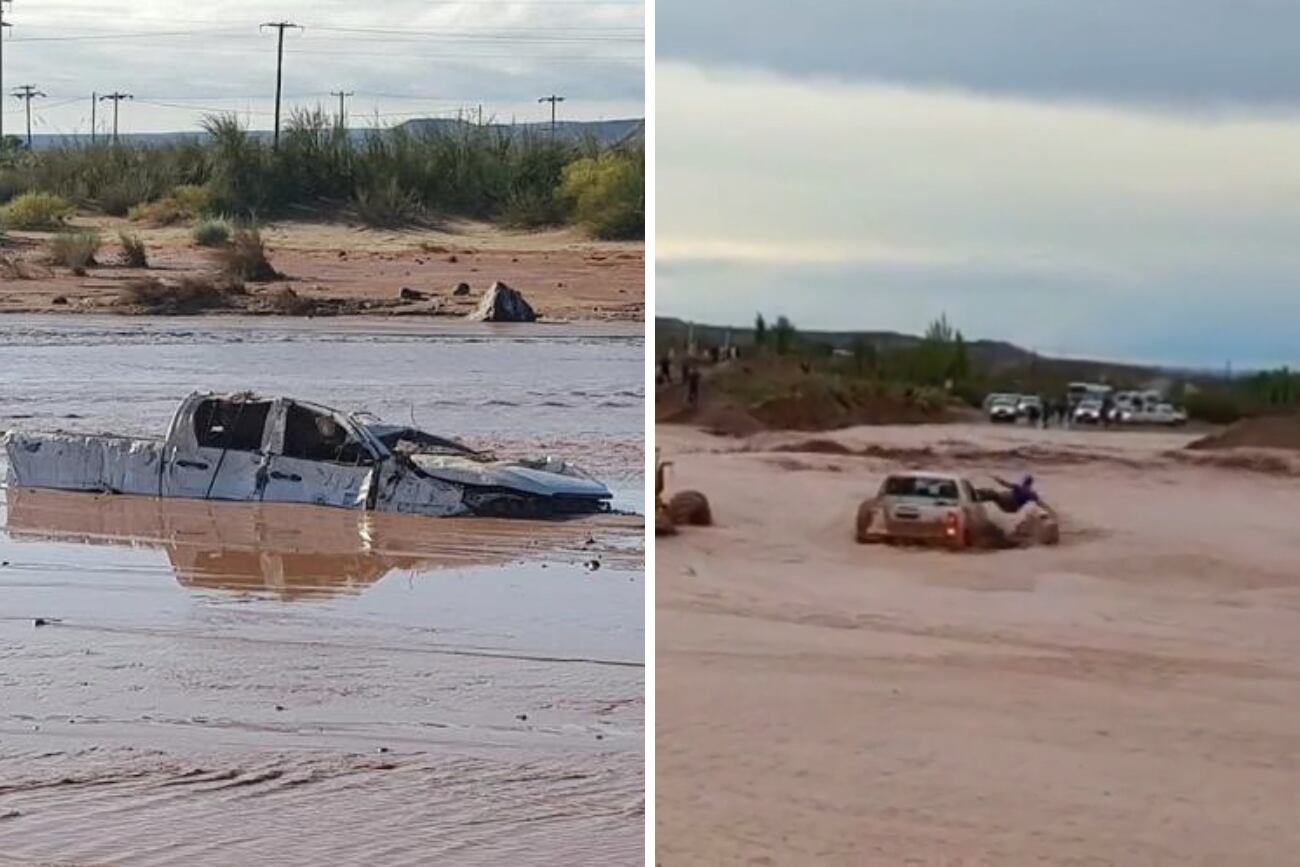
(1175, 53)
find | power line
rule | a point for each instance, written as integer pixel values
(280, 26)
(552, 99)
(343, 112)
(3, 25)
(116, 97)
(28, 92)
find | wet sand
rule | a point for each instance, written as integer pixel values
(244, 684)
(1130, 697)
(564, 275)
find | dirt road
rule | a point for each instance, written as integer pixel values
(1130, 697)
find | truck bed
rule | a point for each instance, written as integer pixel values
(84, 462)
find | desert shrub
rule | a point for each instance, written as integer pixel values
(211, 233)
(75, 250)
(118, 198)
(384, 204)
(190, 295)
(244, 258)
(134, 254)
(531, 209)
(607, 194)
(183, 204)
(36, 211)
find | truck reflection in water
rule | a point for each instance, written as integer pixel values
(289, 552)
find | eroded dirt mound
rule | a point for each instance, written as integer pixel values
(1271, 432)
(690, 508)
(720, 416)
(826, 409)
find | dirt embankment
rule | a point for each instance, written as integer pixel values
(741, 398)
(331, 269)
(1271, 432)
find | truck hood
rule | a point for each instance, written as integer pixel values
(543, 478)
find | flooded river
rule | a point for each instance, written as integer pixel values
(216, 683)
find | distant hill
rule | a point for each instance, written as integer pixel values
(606, 133)
(998, 359)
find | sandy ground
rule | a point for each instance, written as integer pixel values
(563, 274)
(1130, 697)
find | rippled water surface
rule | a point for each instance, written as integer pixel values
(237, 684)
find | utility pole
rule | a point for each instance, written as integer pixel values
(94, 105)
(28, 92)
(116, 97)
(552, 99)
(3, 25)
(343, 111)
(281, 26)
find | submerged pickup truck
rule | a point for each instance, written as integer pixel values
(280, 450)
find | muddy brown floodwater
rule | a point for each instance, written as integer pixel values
(1129, 697)
(218, 683)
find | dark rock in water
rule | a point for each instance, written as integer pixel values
(40, 621)
(59, 300)
(408, 294)
(503, 304)
(461, 289)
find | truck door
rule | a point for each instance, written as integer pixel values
(316, 457)
(215, 449)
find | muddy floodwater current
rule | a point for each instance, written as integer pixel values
(217, 683)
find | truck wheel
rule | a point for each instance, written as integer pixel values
(866, 512)
(690, 508)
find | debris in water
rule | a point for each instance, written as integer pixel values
(382, 750)
(593, 565)
(522, 717)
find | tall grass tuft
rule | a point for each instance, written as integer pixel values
(244, 258)
(75, 250)
(134, 253)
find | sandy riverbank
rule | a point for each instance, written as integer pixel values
(564, 274)
(1127, 698)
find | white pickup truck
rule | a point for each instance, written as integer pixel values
(280, 450)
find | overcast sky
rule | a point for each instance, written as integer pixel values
(1102, 178)
(402, 58)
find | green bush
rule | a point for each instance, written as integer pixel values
(211, 233)
(10, 185)
(36, 212)
(391, 177)
(607, 194)
(75, 250)
(181, 205)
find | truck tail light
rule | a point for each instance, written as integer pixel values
(951, 524)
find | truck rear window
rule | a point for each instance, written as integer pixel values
(921, 486)
(231, 424)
